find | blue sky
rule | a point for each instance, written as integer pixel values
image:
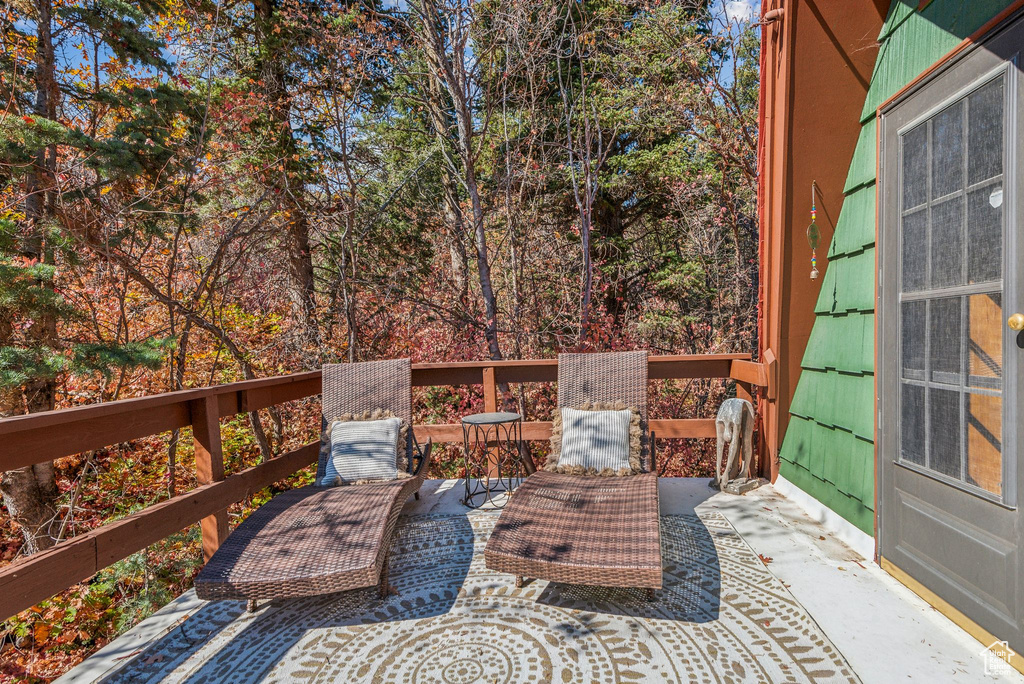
(741, 10)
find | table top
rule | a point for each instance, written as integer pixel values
(491, 418)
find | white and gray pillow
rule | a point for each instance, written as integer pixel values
(362, 451)
(596, 439)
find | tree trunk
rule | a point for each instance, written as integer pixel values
(30, 493)
(272, 72)
(484, 269)
(451, 70)
(456, 246)
(588, 276)
(610, 228)
(302, 291)
(439, 120)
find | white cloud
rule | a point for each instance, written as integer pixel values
(740, 10)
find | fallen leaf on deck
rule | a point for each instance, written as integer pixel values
(765, 559)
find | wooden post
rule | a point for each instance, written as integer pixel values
(490, 390)
(491, 405)
(769, 432)
(209, 468)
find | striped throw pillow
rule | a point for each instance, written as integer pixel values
(362, 450)
(596, 441)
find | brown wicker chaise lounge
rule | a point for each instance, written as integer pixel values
(319, 540)
(576, 529)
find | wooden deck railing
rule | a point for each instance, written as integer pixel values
(42, 437)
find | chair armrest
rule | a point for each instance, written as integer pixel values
(527, 458)
(654, 462)
(424, 453)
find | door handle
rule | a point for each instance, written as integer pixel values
(1016, 322)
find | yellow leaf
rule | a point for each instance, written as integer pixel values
(105, 190)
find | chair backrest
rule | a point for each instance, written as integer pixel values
(365, 386)
(613, 376)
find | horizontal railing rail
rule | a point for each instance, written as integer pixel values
(41, 437)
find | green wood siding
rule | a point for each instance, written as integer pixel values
(828, 449)
(862, 166)
(855, 229)
(917, 40)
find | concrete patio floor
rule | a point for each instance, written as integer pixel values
(866, 625)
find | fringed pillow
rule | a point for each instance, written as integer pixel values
(596, 439)
(366, 447)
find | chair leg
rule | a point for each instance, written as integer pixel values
(416, 495)
(519, 582)
(649, 594)
(383, 589)
(250, 605)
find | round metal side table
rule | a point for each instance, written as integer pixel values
(493, 444)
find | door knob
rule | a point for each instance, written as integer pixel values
(1016, 322)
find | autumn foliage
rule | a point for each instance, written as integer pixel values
(198, 193)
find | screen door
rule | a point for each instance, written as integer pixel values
(949, 361)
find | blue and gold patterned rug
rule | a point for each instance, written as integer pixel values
(721, 617)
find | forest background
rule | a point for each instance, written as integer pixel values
(196, 192)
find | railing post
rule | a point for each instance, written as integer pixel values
(767, 412)
(209, 467)
(490, 390)
(491, 405)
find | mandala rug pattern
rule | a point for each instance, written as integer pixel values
(721, 617)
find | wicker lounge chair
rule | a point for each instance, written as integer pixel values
(602, 531)
(319, 540)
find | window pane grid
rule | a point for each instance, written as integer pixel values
(951, 286)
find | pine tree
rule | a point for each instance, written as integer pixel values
(53, 174)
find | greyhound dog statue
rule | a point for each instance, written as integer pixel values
(735, 424)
